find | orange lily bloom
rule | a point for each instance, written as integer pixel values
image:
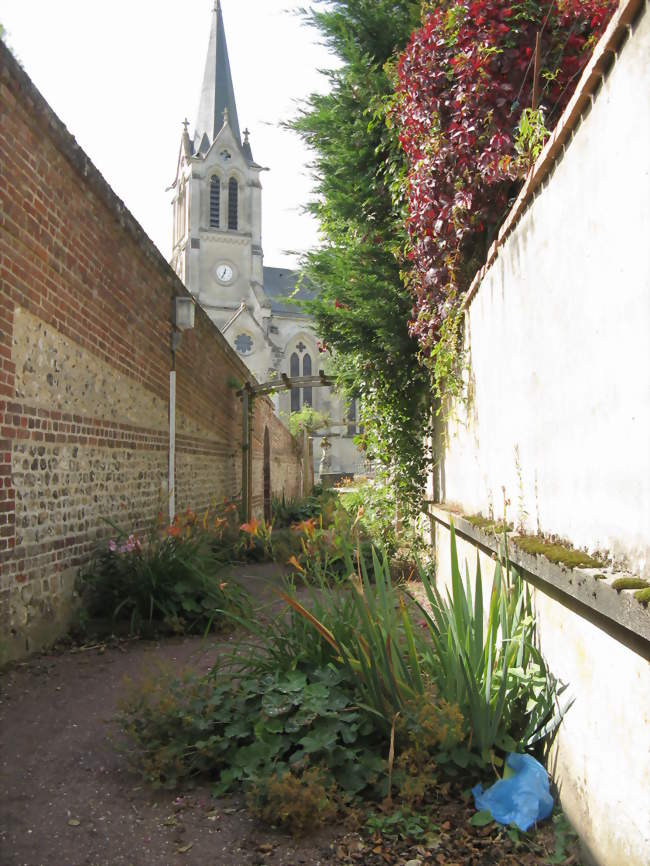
(251, 528)
(294, 562)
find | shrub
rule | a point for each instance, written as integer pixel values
(376, 501)
(168, 581)
(248, 729)
(492, 672)
(492, 675)
(296, 509)
(297, 802)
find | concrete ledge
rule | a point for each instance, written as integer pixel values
(577, 584)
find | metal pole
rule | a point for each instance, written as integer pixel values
(172, 444)
(249, 474)
(538, 43)
(245, 447)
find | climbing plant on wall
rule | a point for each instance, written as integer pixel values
(466, 123)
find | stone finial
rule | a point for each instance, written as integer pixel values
(186, 123)
(246, 134)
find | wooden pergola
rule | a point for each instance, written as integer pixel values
(248, 394)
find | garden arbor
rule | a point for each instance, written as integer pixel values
(265, 389)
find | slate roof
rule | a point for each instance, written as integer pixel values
(217, 91)
(279, 284)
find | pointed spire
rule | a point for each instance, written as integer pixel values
(217, 92)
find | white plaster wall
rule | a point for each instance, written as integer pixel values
(600, 760)
(558, 407)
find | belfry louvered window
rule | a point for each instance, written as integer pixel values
(233, 194)
(215, 201)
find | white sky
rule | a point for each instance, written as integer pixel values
(123, 74)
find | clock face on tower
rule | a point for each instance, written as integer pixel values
(224, 273)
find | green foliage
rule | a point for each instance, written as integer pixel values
(329, 545)
(362, 308)
(391, 695)
(169, 581)
(482, 818)
(492, 670)
(379, 506)
(565, 839)
(298, 508)
(296, 802)
(530, 136)
(401, 824)
(307, 418)
(249, 729)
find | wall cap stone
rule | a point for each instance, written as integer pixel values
(581, 584)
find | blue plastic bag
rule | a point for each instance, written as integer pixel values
(523, 798)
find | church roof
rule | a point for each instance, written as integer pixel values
(280, 284)
(217, 91)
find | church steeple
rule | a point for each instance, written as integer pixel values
(217, 92)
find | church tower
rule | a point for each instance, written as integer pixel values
(217, 208)
(217, 253)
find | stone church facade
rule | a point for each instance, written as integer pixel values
(217, 252)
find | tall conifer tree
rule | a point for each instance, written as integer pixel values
(363, 307)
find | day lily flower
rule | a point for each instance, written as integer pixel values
(294, 562)
(306, 526)
(251, 528)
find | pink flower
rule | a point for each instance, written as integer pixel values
(112, 546)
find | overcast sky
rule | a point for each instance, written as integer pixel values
(122, 76)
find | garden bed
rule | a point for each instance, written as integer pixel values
(68, 797)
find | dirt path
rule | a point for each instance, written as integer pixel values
(66, 796)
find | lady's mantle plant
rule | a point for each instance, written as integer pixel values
(465, 81)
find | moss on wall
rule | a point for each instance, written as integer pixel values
(558, 553)
(630, 583)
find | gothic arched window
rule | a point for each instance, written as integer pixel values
(294, 370)
(215, 201)
(306, 371)
(233, 194)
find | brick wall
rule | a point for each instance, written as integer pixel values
(85, 305)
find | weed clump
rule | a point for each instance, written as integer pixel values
(296, 802)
